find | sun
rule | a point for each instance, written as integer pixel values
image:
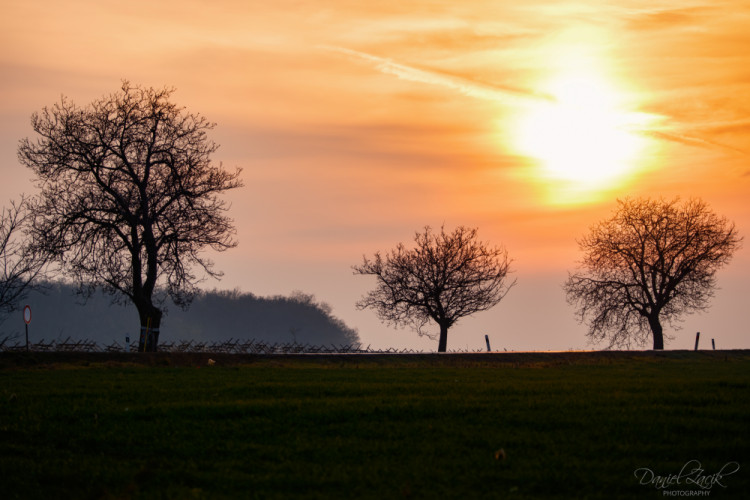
(581, 136)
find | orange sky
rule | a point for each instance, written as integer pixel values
(358, 123)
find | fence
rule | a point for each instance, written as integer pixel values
(230, 346)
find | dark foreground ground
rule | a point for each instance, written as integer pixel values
(513, 359)
(482, 425)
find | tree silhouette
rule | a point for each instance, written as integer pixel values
(20, 265)
(443, 279)
(651, 261)
(129, 197)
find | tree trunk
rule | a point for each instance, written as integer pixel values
(443, 343)
(150, 317)
(656, 330)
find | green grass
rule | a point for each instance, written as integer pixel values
(372, 427)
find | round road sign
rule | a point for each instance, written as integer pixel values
(27, 315)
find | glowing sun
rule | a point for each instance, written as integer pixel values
(581, 136)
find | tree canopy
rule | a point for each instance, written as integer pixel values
(653, 260)
(129, 196)
(447, 276)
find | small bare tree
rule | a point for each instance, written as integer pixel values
(443, 279)
(20, 266)
(129, 197)
(653, 260)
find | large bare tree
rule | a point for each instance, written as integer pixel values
(653, 260)
(447, 276)
(130, 197)
(20, 265)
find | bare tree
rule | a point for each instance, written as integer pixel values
(443, 279)
(653, 260)
(20, 266)
(129, 197)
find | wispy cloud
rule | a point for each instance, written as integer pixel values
(460, 84)
(655, 19)
(481, 90)
(689, 140)
(700, 135)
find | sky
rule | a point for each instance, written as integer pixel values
(357, 124)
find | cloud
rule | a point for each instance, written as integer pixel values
(688, 140)
(468, 37)
(508, 94)
(741, 126)
(656, 19)
(460, 84)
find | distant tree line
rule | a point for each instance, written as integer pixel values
(59, 312)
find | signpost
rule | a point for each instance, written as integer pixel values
(27, 320)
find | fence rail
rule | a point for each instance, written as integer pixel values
(231, 346)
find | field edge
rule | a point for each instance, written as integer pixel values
(534, 359)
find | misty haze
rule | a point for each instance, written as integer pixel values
(58, 313)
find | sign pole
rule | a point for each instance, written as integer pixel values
(27, 320)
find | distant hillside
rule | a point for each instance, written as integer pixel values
(216, 315)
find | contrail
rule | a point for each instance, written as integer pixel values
(465, 86)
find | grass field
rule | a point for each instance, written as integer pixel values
(431, 426)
